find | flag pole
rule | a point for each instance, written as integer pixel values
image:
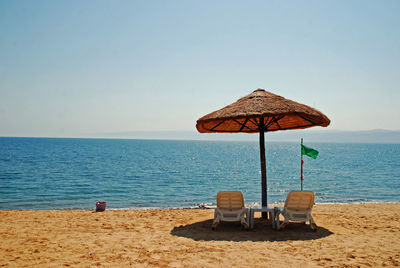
(301, 165)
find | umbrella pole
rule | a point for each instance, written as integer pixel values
(263, 169)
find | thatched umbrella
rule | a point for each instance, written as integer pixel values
(260, 112)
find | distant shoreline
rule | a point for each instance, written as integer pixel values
(332, 136)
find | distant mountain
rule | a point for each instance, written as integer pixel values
(310, 135)
(370, 136)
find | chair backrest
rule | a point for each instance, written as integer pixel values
(299, 200)
(230, 200)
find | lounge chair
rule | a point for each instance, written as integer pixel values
(298, 206)
(230, 207)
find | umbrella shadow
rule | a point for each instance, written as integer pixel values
(262, 232)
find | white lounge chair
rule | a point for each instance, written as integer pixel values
(230, 207)
(298, 206)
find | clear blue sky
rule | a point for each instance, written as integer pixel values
(80, 68)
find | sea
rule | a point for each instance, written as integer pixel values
(69, 173)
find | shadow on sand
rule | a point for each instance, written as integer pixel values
(262, 232)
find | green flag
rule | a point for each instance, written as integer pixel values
(309, 151)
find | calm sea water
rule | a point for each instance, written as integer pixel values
(39, 173)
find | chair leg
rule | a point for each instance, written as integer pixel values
(285, 221)
(283, 225)
(251, 219)
(273, 219)
(313, 225)
(244, 222)
(247, 219)
(214, 225)
(216, 220)
(278, 222)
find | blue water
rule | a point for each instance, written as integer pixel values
(40, 173)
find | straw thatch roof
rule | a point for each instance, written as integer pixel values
(277, 112)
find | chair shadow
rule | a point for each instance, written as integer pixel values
(262, 231)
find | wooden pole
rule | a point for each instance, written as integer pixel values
(263, 169)
(301, 164)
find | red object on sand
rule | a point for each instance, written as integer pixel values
(100, 206)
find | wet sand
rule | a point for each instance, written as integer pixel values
(365, 235)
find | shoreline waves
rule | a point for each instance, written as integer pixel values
(201, 206)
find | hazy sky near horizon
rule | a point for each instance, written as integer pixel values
(82, 68)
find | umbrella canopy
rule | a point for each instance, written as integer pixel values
(245, 114)
(260, 112)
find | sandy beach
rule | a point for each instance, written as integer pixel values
(348, 236)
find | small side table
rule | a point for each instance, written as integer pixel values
(271, 214)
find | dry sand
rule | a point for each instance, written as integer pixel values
(348, 236)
